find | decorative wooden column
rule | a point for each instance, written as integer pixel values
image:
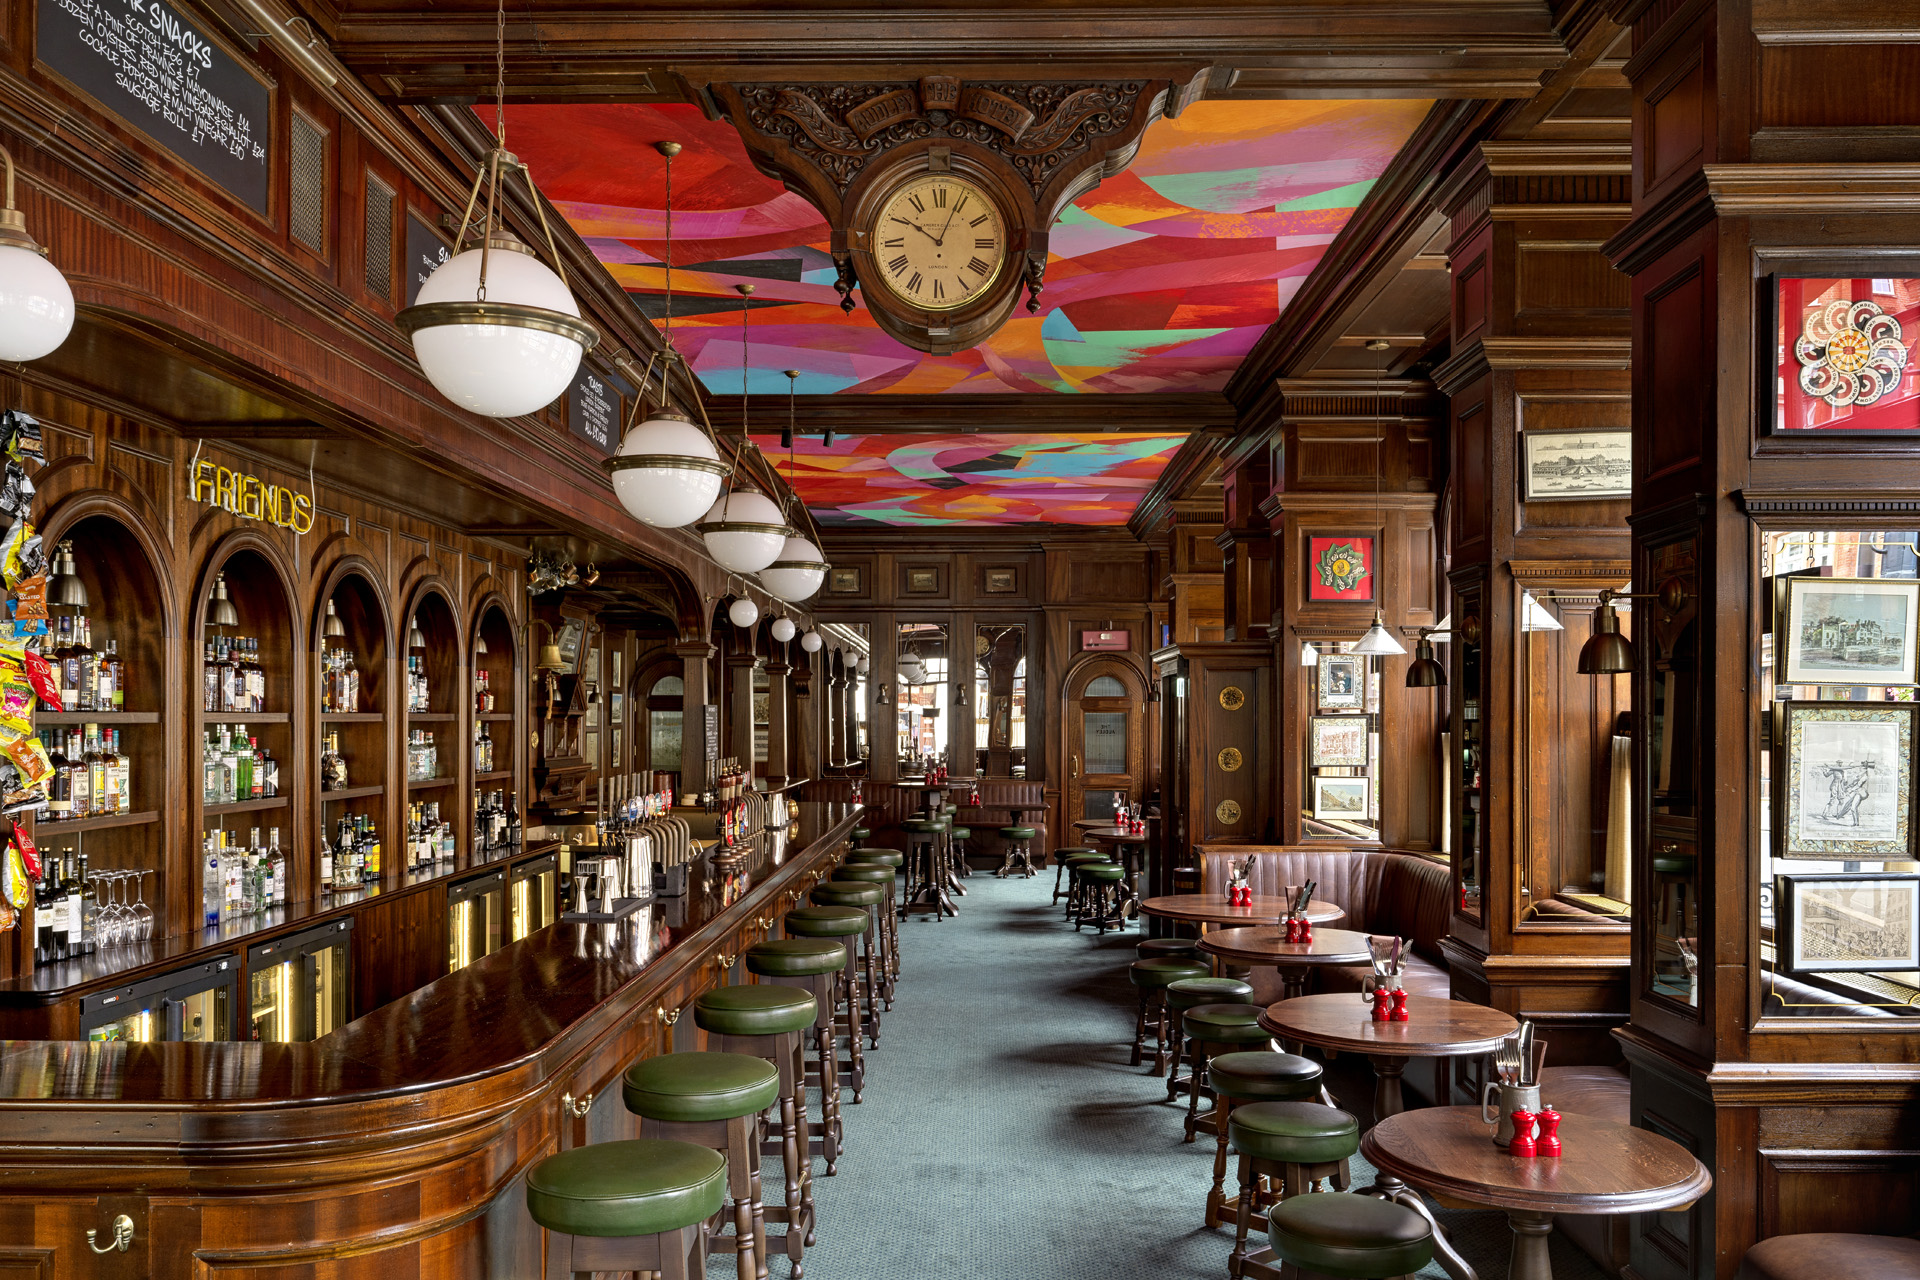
(742, 661)
(809, 722)
(697, 658)
(1539, 368)
(779, 713)
(835, 718)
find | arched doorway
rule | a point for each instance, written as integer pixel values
(1105, 746)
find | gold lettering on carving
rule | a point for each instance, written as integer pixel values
(881, 110)
(995, 109)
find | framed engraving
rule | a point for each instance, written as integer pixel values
(1562, 466)
(1846, 780)
(1344, 798)
(1847, 923)
(1847, 630)
(1341, 682)
(1000, 582)
(1338, 740)
(843, 582)
(923, 582)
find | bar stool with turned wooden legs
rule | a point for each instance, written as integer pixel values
(769, 1021)
(1217, 1027)
(867, 897)
(1019, 851)
(888, 934)
(1062, 886)
(897, 860)
(1250, 1077)
(1355, 1237)
(845, 925)
(814, 965)
(639, 1205)
(1184, 994)
(714, 1099)
(1150, 979)
(926, 869)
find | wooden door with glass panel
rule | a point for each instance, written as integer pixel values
(1105, 748)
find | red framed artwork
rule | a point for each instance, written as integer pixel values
(1340, 567)
(1844, 354)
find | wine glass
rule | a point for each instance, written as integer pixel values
(142, 919)
(110, 922)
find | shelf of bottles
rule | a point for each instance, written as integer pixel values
(431, 697)
(101, 840)
(350, 645)
(495, 829)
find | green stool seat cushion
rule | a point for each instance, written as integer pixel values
(1161, 970)
(883, 857)
(961, 833)
(796, 957)
(848, 893)
(825, 922)
(633, 1188)
(1344, 1234)
(864, 873)
(1265, 1077)
(920, 826)
(1067, 850)
(1295, 1133)
(1102, 871)
(1166, 947)
(1224, 1024)
(862, 833)
(761, 1010)
(692, 1087)
(1188, 992)
(1018, 833)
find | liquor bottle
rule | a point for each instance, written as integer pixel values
(277, 868)
(60, 785)
(115, 680)
(370, 850)
(266, 772)
(103, 675)
(123, 768)
(81, 774)
(232, 896)
(210, 892)
(326, 863)
(58, 645)
(333, 769)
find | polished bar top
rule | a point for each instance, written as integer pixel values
(499, 1013)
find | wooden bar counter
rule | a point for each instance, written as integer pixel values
(393, 1147)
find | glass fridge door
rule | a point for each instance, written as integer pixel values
(328, 974)
(300, 987)
(272, 1002)
(194, 1003)
(534, 883)
(476, 918)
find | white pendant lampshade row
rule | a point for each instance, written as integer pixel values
(744, 531)
(864, 665)
(799, 571)
(667, 473)
(811, 642)
(36, 305)
(782, 629)
(743, 612)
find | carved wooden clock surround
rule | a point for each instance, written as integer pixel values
(1033, 146)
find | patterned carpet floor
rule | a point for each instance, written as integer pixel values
(1004, 1136)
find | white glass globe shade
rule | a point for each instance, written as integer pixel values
(36, 306)
(798, 572)
(684, 480)
(500, 370)
(863, 666)
(744, 612)
(911, 669)
(756, 540)
(782, 629)
(811, 642)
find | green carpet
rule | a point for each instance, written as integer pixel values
(1004, 1136)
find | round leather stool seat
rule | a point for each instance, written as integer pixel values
(633, 1188)
(1068, 850)
(862, 833)
(795, 957)
(1188, 992)
(847, 893)
(1265, 1077)
(892, 857)
(920, 826)
(825, 922)
(763, 1010)
(863, 872)
(692, 1087)
(1079, 860)
(1162, 970)
(1105, 872)
(961, 833)
(1018, 833)
(1340, 1233)
(1820, 1255)
(1166, 947)
(1224, 1024)
(1296, 1133)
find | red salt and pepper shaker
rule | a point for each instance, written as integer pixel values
(1400, 1013)
(1293, 929)
(1306, 930)
(1522, 1144)
(1548, 1143)
(1380, 998)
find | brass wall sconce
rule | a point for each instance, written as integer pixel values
(1609, 653)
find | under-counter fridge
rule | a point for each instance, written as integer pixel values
(476, 918)
(532, 890)
(194, 1003)
(299, 987)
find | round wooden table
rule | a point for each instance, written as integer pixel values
(1434, 1029)
(1213, 908)
(1267, 944)
(1608, 1168)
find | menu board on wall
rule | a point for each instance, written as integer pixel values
(157, 69)
(426, 250)
(593, 409)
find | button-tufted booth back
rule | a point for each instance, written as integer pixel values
(1402, 894)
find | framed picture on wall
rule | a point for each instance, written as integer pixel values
(1000, 581)
(1847, 923)
(1844, 354)
(1337, 740)
(1340, 682)
(1340, 798)
(1845, 779)
(1847, 630)
(843, 582)
(1340, 567)
(1564, 466)
(923, 582)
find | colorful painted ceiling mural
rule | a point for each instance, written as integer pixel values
(983, 479)
(1161, 279)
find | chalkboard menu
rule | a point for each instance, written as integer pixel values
(157, 70)
(426, 250)
(593, 409)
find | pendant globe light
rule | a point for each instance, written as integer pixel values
(496, 330)
(667, 471)
(744, 531)
(743, 612)
(36, 303)
(801, 569)
(811, 642)
(782, 629)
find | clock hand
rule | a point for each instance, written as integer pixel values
(916, 226)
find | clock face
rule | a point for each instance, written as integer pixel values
(939, 241)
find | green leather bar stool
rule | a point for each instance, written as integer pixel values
(1166, 947)
(868, 898)
(815, 965)
(770, 1022)
(1257, 1075)
(949, 860)
(1354, 1237)
(846, 925)
(1076, 891)
(1061, 886)
(1183, 995)
(714, 1099)
(926, 877)
(641, 1205)
(1219, 1027)
(889, 935)
(1150, 980)
(1100, 895)
(1019, 854)
(861, 833)
(1291, 1146)
(959, 836)
(898, 861)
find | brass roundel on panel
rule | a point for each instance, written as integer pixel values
(1228, 811)
(1232, 698)
(1229, 759)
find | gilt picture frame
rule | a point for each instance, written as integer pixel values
(1338, 741)
(1844, 780)
(1340, 682)
(1341, 798)
(1851, 922)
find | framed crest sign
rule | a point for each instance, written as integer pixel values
(1844, 354)
(1340, 567)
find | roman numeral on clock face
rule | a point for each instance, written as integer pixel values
(984, 242)
(895, 243)
(977, 221)
(898, 265)
(978, 267)
(939, 291)
(939, 197)
(918, 207)
(913, 285)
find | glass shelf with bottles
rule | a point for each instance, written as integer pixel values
(237, 771)
(430, 839)
(350, 854)
(241, 879)
(92, 779)
(234, 681)
(496, 825)
(424, 766)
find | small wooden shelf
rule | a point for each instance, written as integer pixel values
(496, 717)
(47, 830)
(351, 717)
(497, 775)
(247, 806)
(432, 717)
(351, 793)
(244, 717)
(107, 718)
(422, 784)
